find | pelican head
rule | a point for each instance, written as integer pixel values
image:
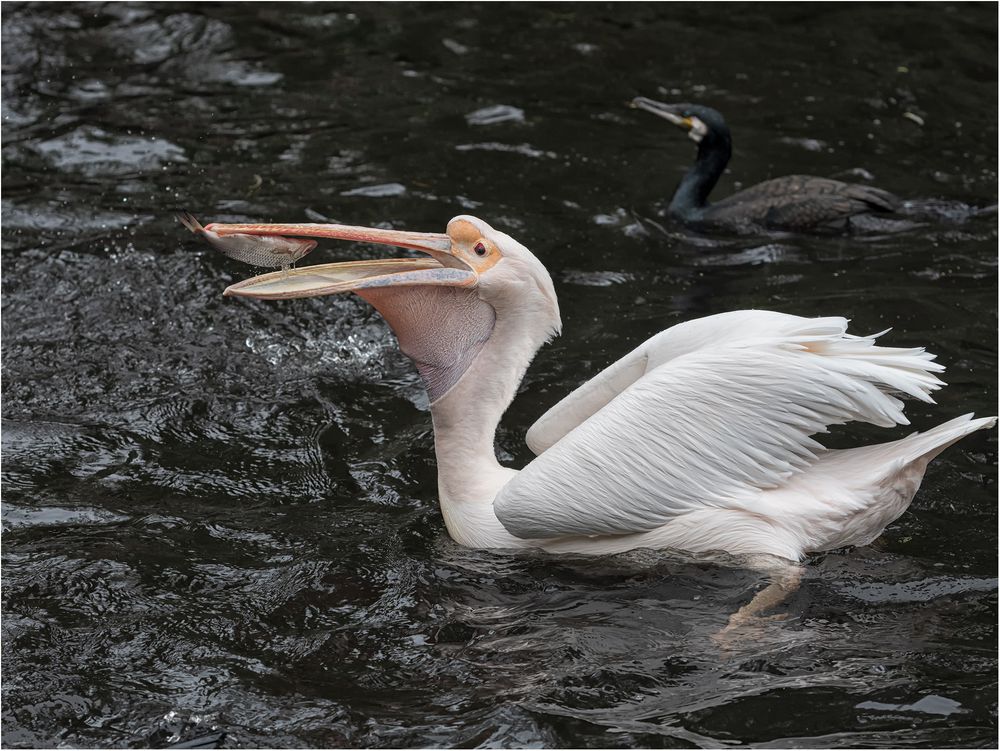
(444, 308)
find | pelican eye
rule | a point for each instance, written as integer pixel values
(480, 249)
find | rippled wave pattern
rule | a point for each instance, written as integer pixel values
(221, 513)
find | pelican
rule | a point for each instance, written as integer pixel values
(700, 439)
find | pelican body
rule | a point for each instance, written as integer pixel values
(700, 439)
(793, 202)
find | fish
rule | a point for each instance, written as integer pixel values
(270, 251)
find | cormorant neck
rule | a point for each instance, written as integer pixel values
(696, 185)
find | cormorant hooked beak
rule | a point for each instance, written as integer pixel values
(673, 113)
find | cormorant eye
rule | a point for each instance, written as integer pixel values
(480, 249)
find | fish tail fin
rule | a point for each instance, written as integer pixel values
(188, 220)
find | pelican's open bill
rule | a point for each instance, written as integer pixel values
(439, 268)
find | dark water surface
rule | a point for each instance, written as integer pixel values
(222, 513)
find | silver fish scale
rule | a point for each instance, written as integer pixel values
(260, 250)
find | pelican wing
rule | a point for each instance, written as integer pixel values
(708, 413)
(701, 334)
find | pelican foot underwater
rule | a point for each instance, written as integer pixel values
(700, 439)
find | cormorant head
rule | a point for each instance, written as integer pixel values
(701, 123)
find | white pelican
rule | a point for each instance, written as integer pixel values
(699, 440)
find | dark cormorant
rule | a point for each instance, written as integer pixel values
(794, 202)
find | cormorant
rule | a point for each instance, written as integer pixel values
(793, 202)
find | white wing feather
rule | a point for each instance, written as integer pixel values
(720, 410)
(737, 326)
